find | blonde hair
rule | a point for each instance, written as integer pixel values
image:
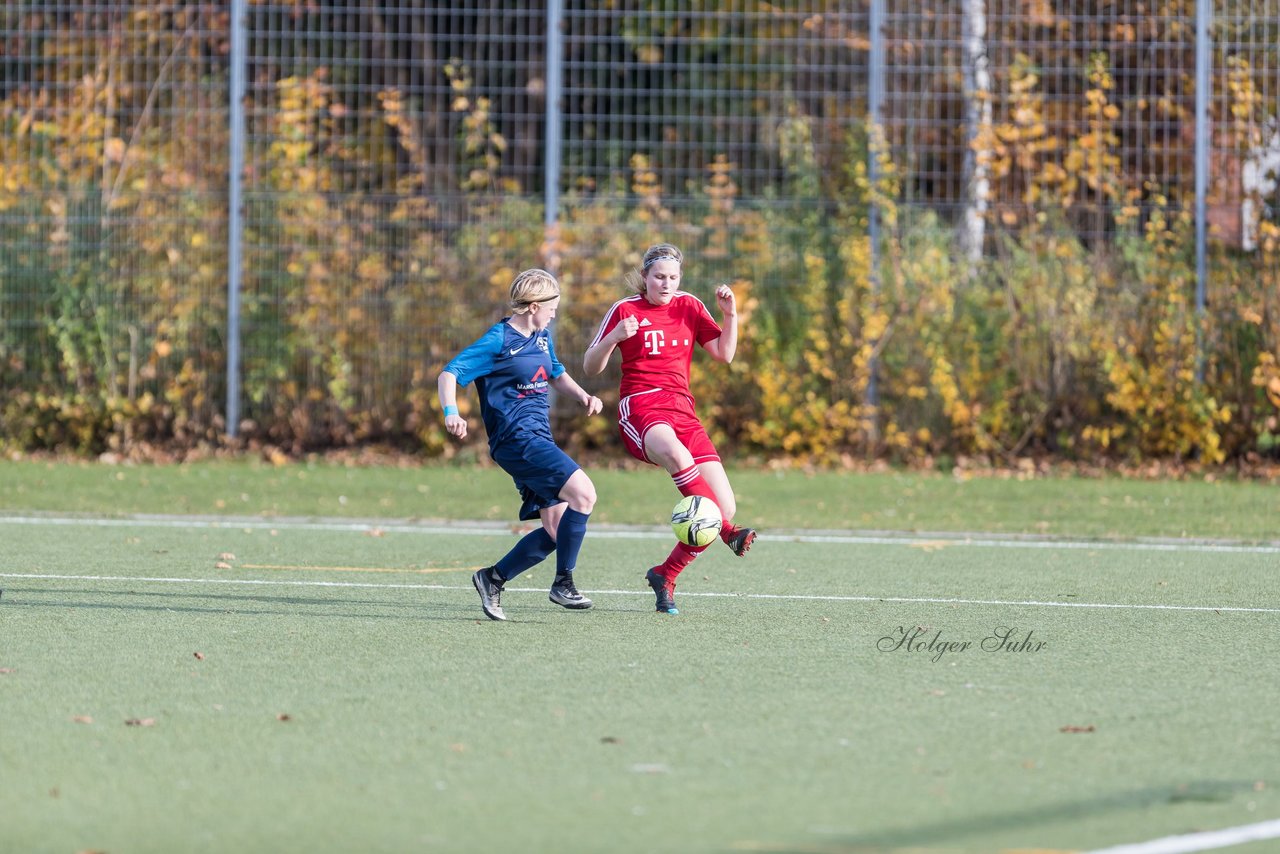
(655, 253)
(532, 287)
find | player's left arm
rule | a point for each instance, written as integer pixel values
(566, 385)
(723, 348)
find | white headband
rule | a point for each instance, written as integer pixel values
(655, 259)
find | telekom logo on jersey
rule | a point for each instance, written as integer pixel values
(655, 340)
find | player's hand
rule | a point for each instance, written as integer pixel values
(626, 327)
(594, 405)
(456, 425)
(726, 300)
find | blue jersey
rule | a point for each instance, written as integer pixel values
(512, 373)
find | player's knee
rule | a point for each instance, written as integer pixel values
(580, 494)
(673, 458)
(586, 499)
(662, 447)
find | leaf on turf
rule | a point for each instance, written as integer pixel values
(222, 565)
(199, 656)
(226, 556)
(1070, 728)
(610, 739)
(930, 545)
(650, 768)
(81, 719)
(375, 532)
(140, 722)
(4, 670)
(458, 748)
(284, 717)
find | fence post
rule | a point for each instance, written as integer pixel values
(875, 109)
(235, 250)
(554, 145)
(1204, 137)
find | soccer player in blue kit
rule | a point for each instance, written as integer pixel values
(514, 365)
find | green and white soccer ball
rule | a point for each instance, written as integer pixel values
(696, 521)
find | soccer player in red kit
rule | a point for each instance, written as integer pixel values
(656, 330)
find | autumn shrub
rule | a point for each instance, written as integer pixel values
(113, 334)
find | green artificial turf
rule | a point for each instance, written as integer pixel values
(310, 687)
(1055, 506)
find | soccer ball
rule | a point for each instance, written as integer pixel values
(696, 521)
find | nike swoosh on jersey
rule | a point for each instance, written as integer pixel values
(515, 350)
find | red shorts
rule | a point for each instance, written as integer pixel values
(639, 413)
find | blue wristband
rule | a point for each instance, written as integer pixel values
(450, 410)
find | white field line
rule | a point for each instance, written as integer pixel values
(1206, 841)
(464, 528)
(263, 582)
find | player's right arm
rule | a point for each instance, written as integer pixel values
(475, 361)
(614, 329)
(447, 387)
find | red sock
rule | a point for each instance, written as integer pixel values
(680, 557)
(691, 482)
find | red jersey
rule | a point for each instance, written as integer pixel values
(659, 354)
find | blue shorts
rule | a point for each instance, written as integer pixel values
(539, 468)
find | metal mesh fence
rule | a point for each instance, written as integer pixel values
(396, 168)
(112, 212)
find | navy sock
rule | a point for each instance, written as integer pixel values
(530, 551)
(569, 535)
